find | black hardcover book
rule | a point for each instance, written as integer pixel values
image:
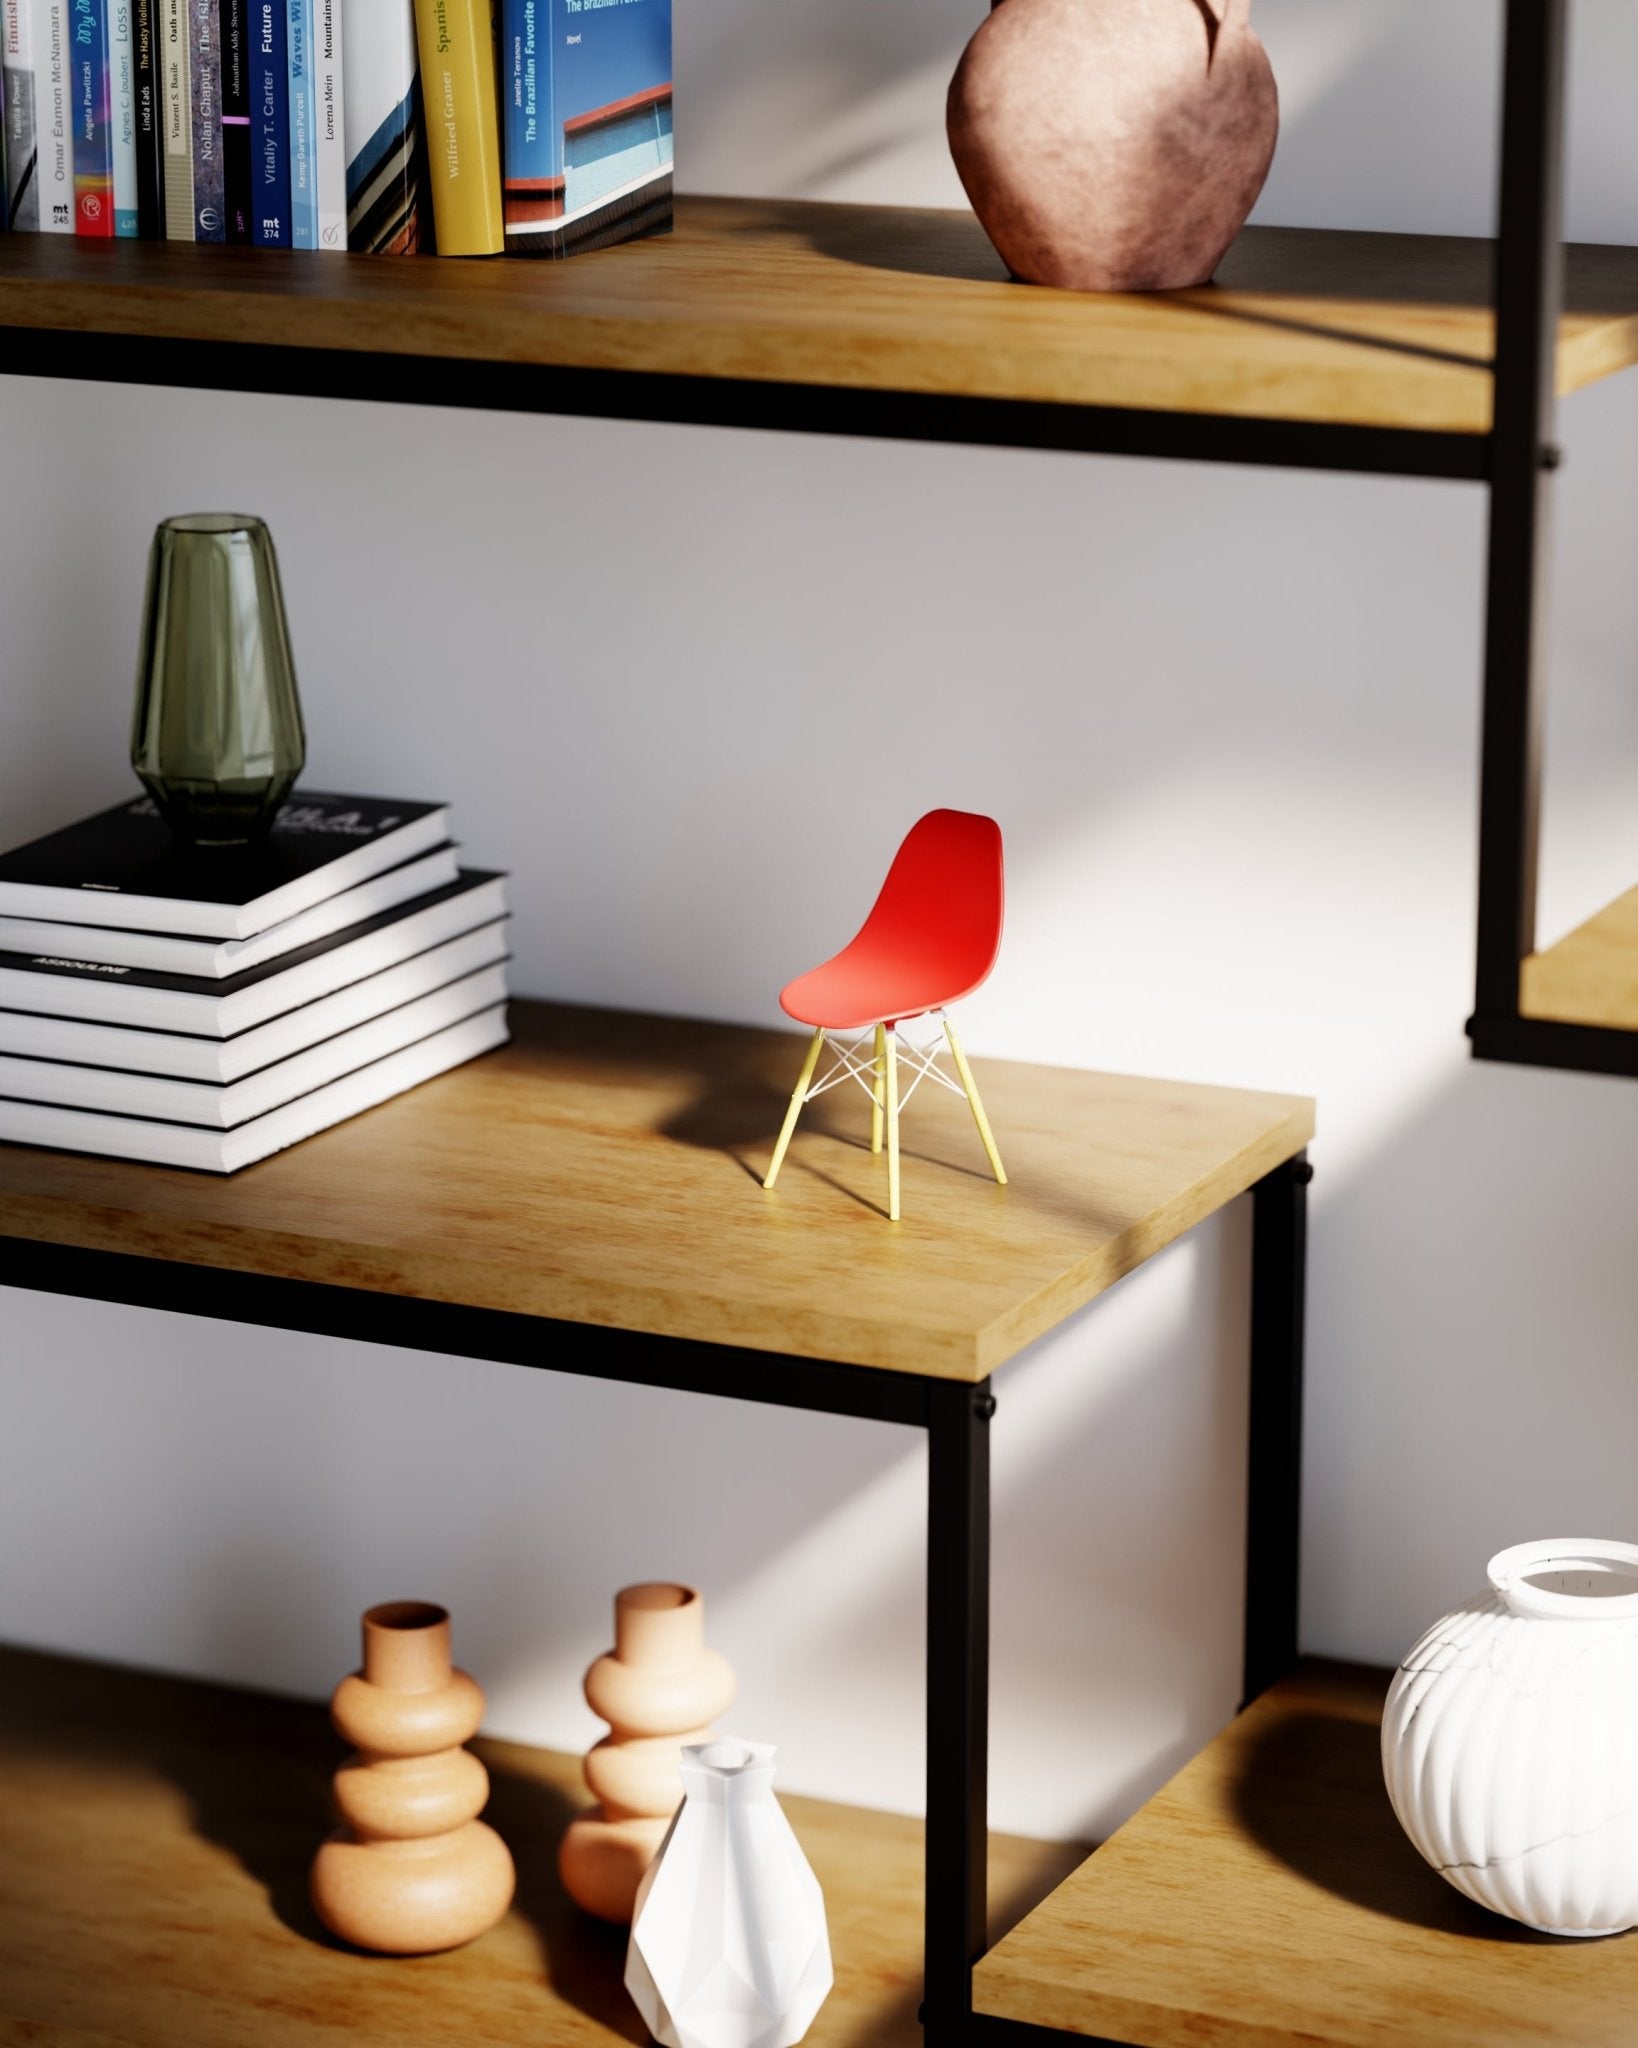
(150, 126)
(59, 985)
(236, 166)
(125, 868)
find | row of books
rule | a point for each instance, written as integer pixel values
(204, 1008)
(472, 126)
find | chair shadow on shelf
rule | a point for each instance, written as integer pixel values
(1344, 1836)
(739, 1115)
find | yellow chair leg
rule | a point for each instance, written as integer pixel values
(890, 1061)
(878, 1089)
(977, 1106)
(798, 1097)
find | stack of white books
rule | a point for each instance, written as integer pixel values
(207, 1006)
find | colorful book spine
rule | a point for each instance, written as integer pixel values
(329, 126)
(236, 140)
(53, 116)
(175, 104)
(385, 145)
(148, 120)
(303, 156)
(587, 97)
(270, 127)
(456, 39)
(93, 144)
(205, 120)
(17, 71)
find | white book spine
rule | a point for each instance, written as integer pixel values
(329, 125)
(17, 61)
(176, 109)
(122, 113)
(53, 116)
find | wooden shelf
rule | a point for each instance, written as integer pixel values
(153, 1889)
(1590, 977)
(1266, 1898)
(1302, 325)
(604, 1168)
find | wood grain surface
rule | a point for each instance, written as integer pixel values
(1591, 975)
(604, 1168)
(153, 1863)
(1266, 1898)
(1301, 324)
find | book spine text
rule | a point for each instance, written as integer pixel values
(205, 120)
(17, 72)
(236, 139)
(148, 121)
(270, 126)
(329, 130)
(53, 116)
(175, 112)
(93, 150)
(303, 157)
(456, 40)
(122, 112)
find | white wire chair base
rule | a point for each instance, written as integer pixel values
(848, 1066)
(877, 1073)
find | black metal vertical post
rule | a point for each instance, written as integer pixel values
(1529, 291)
(1279, 1260)
(958, 1700)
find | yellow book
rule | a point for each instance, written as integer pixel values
(457, 46)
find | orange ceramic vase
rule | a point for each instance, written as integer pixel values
(1114, 145)
(658, 1688)
(412, 1868)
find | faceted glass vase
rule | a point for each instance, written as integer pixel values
(216, 736)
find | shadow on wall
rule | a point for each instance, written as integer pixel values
(1477, 1273)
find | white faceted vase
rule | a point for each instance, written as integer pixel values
(1510, 1740)
(728, 1940)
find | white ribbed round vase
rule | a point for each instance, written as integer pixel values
(1510, 1739)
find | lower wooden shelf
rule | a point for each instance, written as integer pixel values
(1266, 1898)
(1589, 977)
(153, 1856)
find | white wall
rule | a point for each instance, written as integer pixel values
(1228, 720)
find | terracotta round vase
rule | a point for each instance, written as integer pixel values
(1114, 145)
(412, 1868)
(658, 1688)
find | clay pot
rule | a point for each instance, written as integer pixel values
(412, 1868)
(658, 1688)
(1114, 145)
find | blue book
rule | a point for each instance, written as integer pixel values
(586, 120)
(93, 138)
(269, 126)
(304, 223)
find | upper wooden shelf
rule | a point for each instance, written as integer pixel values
(1266, 1898)
(604, 1168)
(153, 1889)
(850, 302)
(1591, 975)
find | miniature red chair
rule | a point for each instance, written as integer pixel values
(931, 939)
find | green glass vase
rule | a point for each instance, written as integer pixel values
(216, 736)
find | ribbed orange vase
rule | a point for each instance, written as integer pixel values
(658, 1688)
(412, 1868)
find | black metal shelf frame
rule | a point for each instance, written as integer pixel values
(1524, 457)
(956, 1417)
